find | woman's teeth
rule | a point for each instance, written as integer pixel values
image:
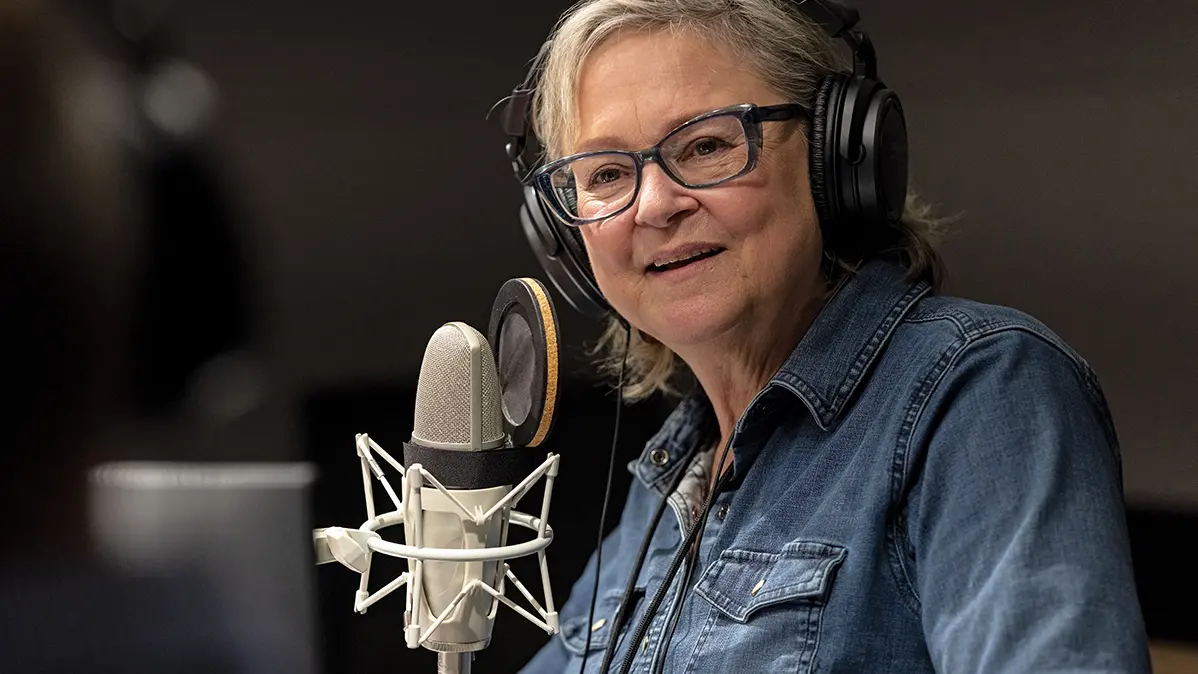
(678, 262)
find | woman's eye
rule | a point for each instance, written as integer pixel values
(604, 176)
(705, 147)
(708, 146)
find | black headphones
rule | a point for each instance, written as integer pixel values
(858, 163)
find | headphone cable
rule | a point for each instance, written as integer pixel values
(679, 556)
(617, 625)
(611, 469)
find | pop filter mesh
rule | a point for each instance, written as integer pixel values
(516, 355)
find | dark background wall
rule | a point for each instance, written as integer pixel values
(382, 205)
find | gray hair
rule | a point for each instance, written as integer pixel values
(787, 50)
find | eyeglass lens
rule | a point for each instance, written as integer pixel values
(697, 155)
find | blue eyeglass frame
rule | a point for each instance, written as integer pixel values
(750, 115)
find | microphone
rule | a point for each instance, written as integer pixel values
(457, 409)
(481, 413)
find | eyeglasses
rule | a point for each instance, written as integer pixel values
(706, 151)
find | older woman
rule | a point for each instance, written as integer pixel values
(895, 481)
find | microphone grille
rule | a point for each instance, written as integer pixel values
(445, 390)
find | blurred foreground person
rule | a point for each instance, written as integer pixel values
(70, 251)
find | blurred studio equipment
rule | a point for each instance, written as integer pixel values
(242, 528)
(483, 408)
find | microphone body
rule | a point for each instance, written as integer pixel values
(468, 627)
(457, 410)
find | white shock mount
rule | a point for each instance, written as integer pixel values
(354, 548)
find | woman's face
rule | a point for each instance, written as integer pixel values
(634, 89)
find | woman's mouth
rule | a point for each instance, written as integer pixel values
(684, 259)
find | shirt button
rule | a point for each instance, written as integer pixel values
(722, 512)
(659, 457)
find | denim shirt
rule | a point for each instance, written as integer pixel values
(928, 484)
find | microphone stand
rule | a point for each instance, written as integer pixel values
(454, 663)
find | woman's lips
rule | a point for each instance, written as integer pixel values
(684, 257)
(677, 270)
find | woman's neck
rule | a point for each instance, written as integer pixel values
(734, 368)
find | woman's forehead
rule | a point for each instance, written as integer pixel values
(636, 87)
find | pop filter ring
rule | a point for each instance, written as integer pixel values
(527, 299)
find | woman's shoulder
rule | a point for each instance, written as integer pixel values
(949, 339)
(947, 323)
(970, 319)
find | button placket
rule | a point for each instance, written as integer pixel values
(646, 664)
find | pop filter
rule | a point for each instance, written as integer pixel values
(523, 334)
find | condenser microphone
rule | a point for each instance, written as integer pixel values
(458, 409)
(483, 409)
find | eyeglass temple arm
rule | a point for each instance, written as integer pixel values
(781, 113)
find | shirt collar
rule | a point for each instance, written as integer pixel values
(843, 342)
(823, 371)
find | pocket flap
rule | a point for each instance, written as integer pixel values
(743, 581)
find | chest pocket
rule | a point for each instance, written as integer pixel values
(767, 607)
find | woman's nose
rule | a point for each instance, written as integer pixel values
(661, 201)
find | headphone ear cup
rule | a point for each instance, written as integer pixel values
(825, 117)
(560, 250)
(857, 199)
(572, 237)
(881, 175)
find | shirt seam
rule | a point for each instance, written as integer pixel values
(898, 542)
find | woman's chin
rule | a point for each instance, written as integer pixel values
(692, 321)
